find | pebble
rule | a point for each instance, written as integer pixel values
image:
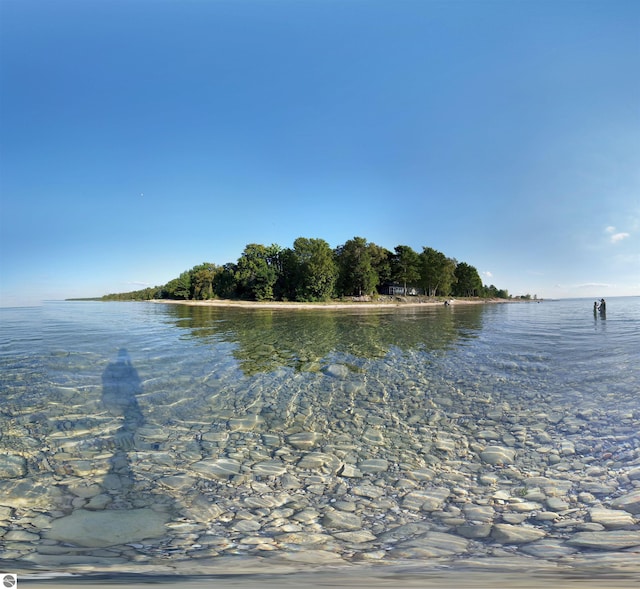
(218, 468)
(629, 502)
(303, 538)
(513, 534)
(427, 500)
(12, 466)
(315, 557)
(359, 537)
(431, 545)
(615, 540)
(548, 549)
(341, 520)
(556, 504)
(20, 536)
(373, 465)
(304, 440)
(611, 518)
(498, 455)
(272, 468)
(474, 531)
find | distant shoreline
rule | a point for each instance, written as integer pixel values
(355, 304)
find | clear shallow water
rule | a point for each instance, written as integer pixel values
(327, 437)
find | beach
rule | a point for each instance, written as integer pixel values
(356, 303)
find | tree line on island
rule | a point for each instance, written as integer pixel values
(311, 271)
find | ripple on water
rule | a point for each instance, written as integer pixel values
(406, 442)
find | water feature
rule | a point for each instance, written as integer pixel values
(148, 437)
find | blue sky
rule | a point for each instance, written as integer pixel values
(141, 137)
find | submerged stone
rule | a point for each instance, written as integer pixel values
(629, 502)
(336, 370)
(426, 500)
(219, 468)
(497, 455)
(95, 529)
(373, 465)
(269, 468)
(431, 545)
(304, 440)
(606, 540)
(611, 518)
(245, 424)
(513, 534)
(474, 531)
(341, 520)
(12, 466)
(28, 493)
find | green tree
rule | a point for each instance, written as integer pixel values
(257, 271)
(225, 285)
(494, 292)
(405, 266)
(437, 272)
(315, 269)
(468, 282)
(356, 274)
(381, 262)
(202, 278)
(178, 288)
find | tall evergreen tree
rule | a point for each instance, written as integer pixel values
(381, 262)
(468, 282)
(405, 266)
(436, 272)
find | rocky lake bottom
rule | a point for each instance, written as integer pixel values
(351, 463)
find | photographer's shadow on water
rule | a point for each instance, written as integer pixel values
(122, 512)
(120, 387)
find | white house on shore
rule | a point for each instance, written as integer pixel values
(395, 289)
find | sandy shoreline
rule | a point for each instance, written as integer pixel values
(380, 304)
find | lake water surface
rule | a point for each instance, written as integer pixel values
(155, 438)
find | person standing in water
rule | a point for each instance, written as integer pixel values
(603, 308)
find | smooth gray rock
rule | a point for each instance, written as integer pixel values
(304, 440)
(432, 545)
(629, 502)
(341, 520)
(513, 534)
(219, 468)
(474, 531)
(12, 466)
(548, 549)
(498, 455)
(96, 529)
(373, 465)
(615, 540)
(611, 518)
(426, 500)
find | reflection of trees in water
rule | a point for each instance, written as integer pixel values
(267, 339)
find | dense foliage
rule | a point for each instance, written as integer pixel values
(312, 271)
